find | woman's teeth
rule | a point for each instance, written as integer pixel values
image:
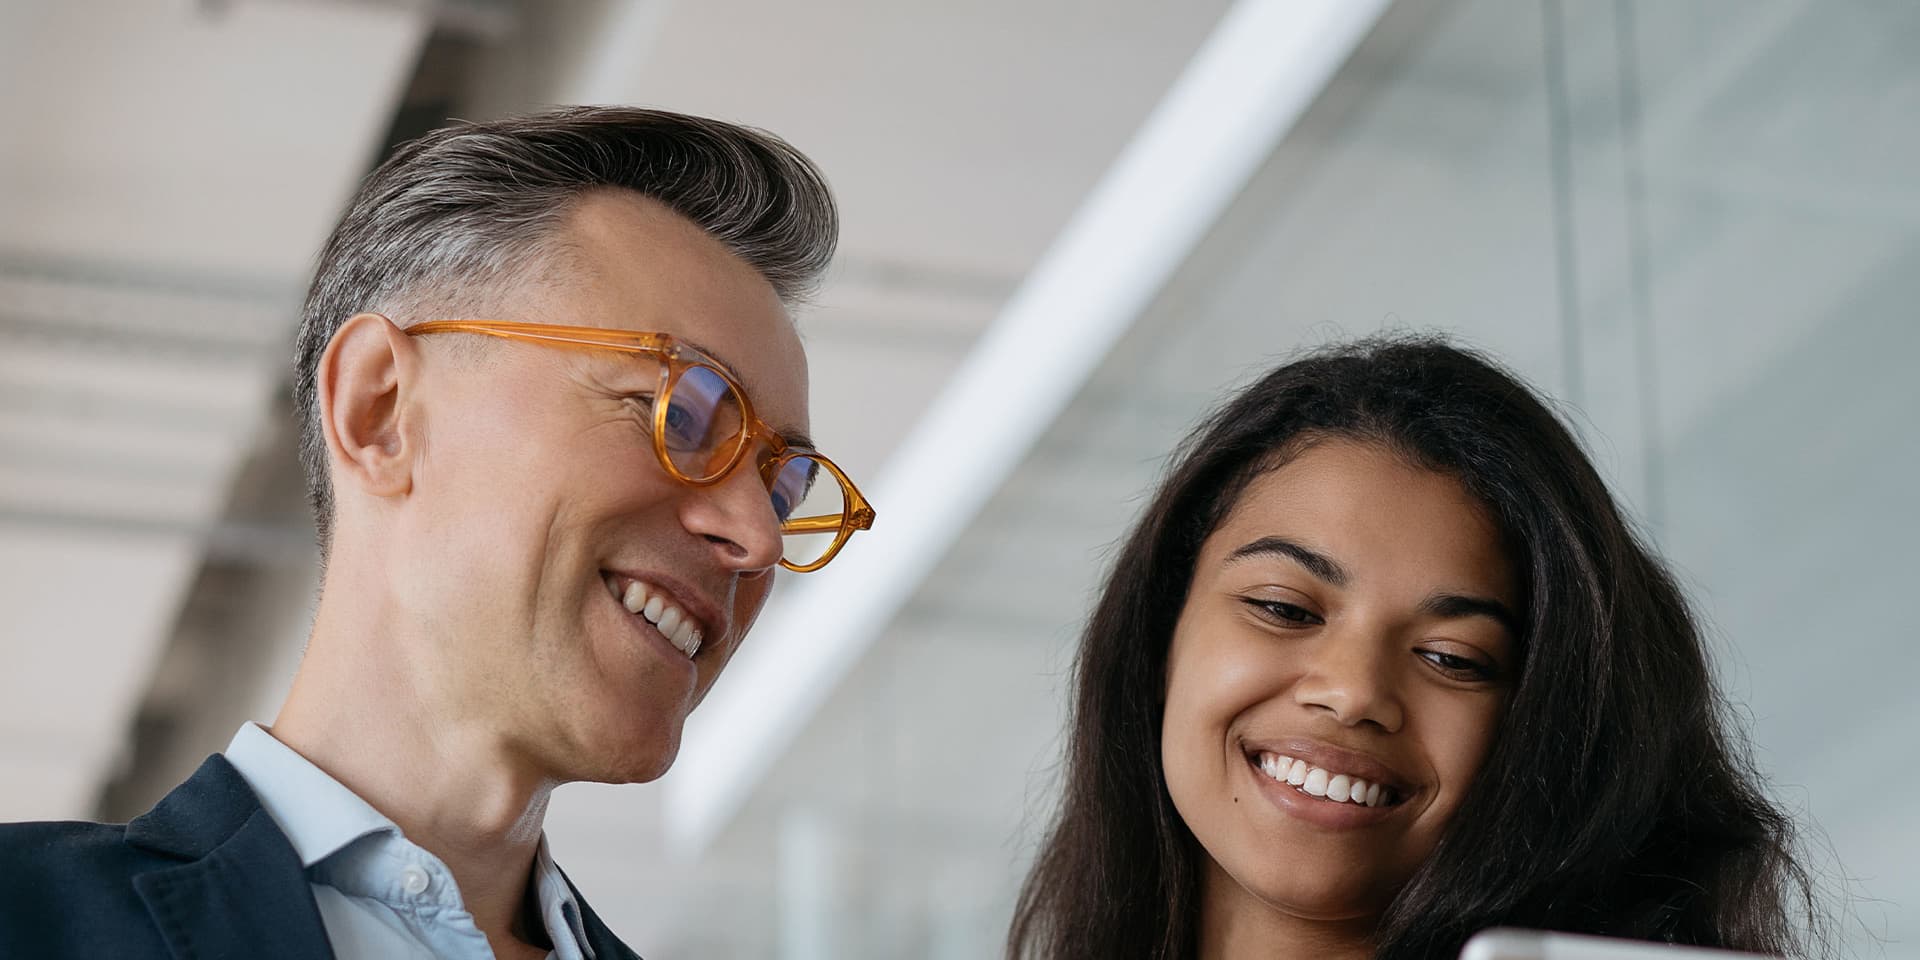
(672, 622)
(1325, 784)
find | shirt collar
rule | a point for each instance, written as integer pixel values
(320, 817)
(558, 908)
(318, 814)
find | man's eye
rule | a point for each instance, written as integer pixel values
(684, 427)
(684, 430)
(641, 405)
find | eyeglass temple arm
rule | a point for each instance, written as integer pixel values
(860, 519)
(629, 340)
(830, 524)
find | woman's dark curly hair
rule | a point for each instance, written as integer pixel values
(1617, 799)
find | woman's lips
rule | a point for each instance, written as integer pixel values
(1355, 764)
(1332, 786)
(1318, 811)
(1325, 785)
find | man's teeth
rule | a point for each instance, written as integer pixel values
(1325, 784)
(672, 622)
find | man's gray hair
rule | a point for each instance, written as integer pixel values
(470, 208)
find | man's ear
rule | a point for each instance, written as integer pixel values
(365, 377)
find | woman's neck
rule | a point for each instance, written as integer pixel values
(1236, 925)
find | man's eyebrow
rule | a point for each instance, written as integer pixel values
(1455, 606)
(714, 355)
(793, 437)
(1316, 563)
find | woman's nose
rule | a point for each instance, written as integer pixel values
(1349, 675)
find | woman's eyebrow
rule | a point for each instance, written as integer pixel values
(1316, 563)
(1455, 606)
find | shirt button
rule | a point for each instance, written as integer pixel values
(414, 880)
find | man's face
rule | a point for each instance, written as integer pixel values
(538, 500)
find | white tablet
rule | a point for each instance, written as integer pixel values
(1541, 945)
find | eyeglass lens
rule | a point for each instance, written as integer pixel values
(705, 426)
(812, 506)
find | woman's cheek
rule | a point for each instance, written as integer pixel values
(1459, 731)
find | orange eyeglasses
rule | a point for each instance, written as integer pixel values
(703, 425)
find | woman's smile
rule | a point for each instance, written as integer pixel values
(1320, 810)
(1326, 785)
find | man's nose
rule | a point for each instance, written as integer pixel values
(1350, 676)
(735, 516)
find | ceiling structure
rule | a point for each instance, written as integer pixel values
(159, 218)
(1695, 245)
(166, 172)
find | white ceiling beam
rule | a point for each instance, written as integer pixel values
(1264, 64)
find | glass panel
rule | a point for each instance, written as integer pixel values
(1784, 232)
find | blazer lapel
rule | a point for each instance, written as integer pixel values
(605, 945)
(242, 891)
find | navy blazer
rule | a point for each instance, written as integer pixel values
(204, 875)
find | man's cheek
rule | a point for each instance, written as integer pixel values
(749, 598)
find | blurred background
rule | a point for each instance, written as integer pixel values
(1069, 227)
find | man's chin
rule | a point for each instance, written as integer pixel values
(641, 762)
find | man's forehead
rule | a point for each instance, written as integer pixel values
(638, 265)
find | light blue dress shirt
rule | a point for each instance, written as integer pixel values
(381, 896)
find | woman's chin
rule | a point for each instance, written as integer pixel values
(1319, 895)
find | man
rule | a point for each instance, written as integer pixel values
(553, 417)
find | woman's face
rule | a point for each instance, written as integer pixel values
(1350, 630)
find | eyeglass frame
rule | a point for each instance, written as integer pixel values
(676, 356)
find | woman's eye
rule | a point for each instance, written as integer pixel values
(1459, 666)
(1290, 614)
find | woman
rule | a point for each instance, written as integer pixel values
(1383, 665)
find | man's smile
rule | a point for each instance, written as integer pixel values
(661, 611)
